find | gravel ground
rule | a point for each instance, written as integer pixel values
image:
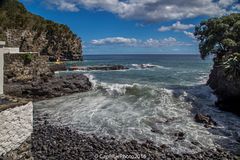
(53, 143)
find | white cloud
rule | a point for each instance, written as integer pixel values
(176, 26)
(63, 5)
(140, 25)
(170, 41)
(114, 40)
(236, 7)
(164, 42)
(226, 3)
(189, 34)
(150, 10)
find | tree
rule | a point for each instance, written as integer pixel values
(219, 36)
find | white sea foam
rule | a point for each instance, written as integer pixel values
(116, 88)
(133, 111)
(203, 78)
(132, 117)
(148, 65)
(92, 80)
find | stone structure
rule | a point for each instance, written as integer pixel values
(2, 44)
(4, 50)
(16, 126)
(17, 69)
(8, 51)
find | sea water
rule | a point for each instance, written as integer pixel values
(157, 97)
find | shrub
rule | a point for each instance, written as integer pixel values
(27, 58)
(219, 36)
(232, 66)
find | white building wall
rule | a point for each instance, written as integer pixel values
(1, 70)
(10, 50)
(2, 52)
(2, 44)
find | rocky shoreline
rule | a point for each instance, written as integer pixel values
(52, 142)
(49, 87)
(101, 67)
(63, 67)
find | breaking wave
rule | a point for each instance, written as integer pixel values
(145, 66)
(143, 112)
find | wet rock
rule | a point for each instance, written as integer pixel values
(195, 143)
(104, 67)
(155, 130)
(206, 119)
(180, 136)
(238, 139)
(53, 87)
(163, 146)
(226, 89)
(57, 67)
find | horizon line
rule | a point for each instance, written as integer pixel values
(141, 54)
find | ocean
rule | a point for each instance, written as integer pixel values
(156, 98)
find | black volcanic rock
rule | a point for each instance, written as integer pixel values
(207, 120)
(227, 90)
(49, 87)
(101, 67)
(57, 67)
(52, 142)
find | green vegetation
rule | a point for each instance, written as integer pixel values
(232, 66)
(27, 58)
(13, 15)
(221, 38)
(30, 32)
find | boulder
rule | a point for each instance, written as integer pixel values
(180, 136)
(206, 119)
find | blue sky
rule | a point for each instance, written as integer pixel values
(133, 26)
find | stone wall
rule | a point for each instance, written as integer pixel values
(17, 69)
(16, 126)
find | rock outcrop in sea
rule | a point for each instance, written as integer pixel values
(220, 37)
(226, 89)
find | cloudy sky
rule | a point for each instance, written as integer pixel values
(133, 26)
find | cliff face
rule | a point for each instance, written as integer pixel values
(227, 90)
(33, 33)
(30, 76)
(17, 70)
